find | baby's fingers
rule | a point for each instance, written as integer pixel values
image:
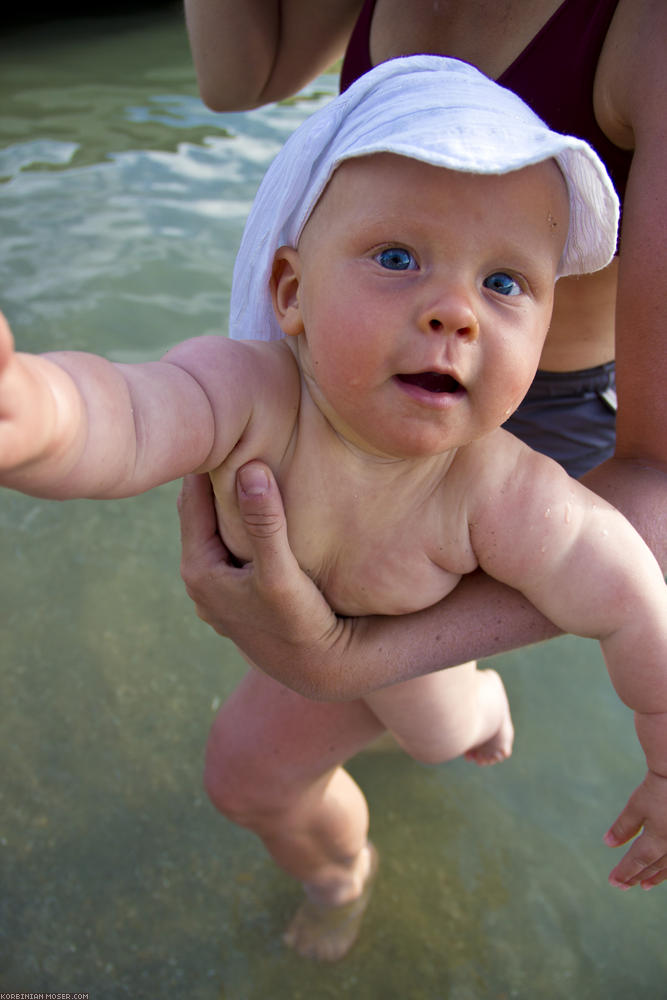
(645, 863)
(652, 881)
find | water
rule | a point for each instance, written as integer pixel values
(121, 206)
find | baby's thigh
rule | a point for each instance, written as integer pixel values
(431, 717)
(269, 741)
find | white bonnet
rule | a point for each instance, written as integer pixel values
(431, 108)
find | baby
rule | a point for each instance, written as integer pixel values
(404, 246)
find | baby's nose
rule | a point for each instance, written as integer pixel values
(453, 314)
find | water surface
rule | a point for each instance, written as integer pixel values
(122, 201)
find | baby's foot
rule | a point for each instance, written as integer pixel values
(494, 701)
(328, 932)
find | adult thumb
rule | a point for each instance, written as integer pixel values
(263, 517)
(259, 501)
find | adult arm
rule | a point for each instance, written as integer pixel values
(635, 481)
(257, 51)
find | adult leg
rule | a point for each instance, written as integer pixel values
(273, 766)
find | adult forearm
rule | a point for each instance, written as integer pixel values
(342, 659)
(639, 490)
(480, 618)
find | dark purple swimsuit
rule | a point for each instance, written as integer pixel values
(554, 74)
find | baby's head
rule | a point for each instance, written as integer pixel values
(431, 109)
(418, 298)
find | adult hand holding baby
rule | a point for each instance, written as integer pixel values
(272, 582)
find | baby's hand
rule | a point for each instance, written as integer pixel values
(27, 406)
(7, 394)
(6, 343)
(645, 863)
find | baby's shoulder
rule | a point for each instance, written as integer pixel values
(492, 459)
(272, 377)
(269, 362)
(499, 471)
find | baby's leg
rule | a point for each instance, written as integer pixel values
(443, 715)
(273, 766)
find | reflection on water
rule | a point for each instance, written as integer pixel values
(121, 206)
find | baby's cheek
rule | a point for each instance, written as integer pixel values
(508, 392)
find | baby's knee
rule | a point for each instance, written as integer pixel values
(240, 786)
(232, 786)
(443, 740)
(438, 751)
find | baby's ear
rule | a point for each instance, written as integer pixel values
(284, 285)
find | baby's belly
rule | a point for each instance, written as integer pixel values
(355, 591)
(360, 582)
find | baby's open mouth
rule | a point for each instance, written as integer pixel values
(432, 381)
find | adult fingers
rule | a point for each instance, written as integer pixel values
(196, 511)
(203, 553)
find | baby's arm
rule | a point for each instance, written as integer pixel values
(636, 656)
(76, 425)
(583, 565)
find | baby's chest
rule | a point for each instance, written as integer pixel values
(372, 555)
(371, 548)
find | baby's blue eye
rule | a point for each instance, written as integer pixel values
(396, 259)
(502, 283)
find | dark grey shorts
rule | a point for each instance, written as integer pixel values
(570, 416)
